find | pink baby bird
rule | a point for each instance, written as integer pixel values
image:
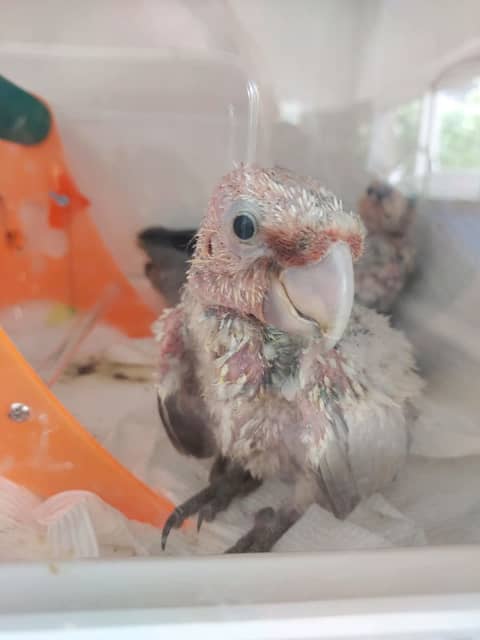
(388, 261)
(266, 364)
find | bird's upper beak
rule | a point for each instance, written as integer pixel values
(315, 299)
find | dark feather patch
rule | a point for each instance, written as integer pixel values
(186, 430)
(169, 251)
(156, 239)
(168, 274)
(186, 419)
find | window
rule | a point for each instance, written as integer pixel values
(394, 148)
(432, 145)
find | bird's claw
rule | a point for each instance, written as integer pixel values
(174, 521)
(269, 527)
(185, 510)
(225, 486)
(207, 513)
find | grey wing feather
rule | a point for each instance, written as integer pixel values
(335, 476)
(185, 417)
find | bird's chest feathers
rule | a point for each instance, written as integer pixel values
(255, 362)
(274, 397)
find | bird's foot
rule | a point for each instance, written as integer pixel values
(227, 481)
(269, 527)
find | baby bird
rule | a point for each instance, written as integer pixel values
(267, 365)
(389, 257)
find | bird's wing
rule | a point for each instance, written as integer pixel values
(169, 251)
(368, 390)
(181, 407)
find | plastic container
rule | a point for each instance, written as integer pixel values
(146, 134)
(147, 131)
(395, 594)
(139, 136)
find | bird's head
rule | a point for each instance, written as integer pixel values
(385, 209)
(280, 248)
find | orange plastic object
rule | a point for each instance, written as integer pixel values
(51, 452)
(37, 176)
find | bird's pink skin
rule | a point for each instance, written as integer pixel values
(239, 280)
(171, 346)
(276, 402)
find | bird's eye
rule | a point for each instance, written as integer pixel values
(244, 226)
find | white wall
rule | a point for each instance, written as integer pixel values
(105, 23)
(306, 47)
(329, 53)
(413, 41)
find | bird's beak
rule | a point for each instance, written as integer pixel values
(313, 300)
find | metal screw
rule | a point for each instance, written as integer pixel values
(19, 412)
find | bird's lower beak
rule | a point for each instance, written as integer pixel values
(315, 299)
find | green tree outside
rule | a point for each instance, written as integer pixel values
(459, 144)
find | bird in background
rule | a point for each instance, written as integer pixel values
(267, 366)
(388, 262)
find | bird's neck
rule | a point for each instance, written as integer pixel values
(280, 351)
(283, 353)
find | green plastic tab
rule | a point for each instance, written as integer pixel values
(23, 119)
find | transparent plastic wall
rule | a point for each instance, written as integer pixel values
(147, 122)
(154, 102)
(378, 97)
(115, 119)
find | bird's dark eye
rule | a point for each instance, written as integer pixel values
(244, 226)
